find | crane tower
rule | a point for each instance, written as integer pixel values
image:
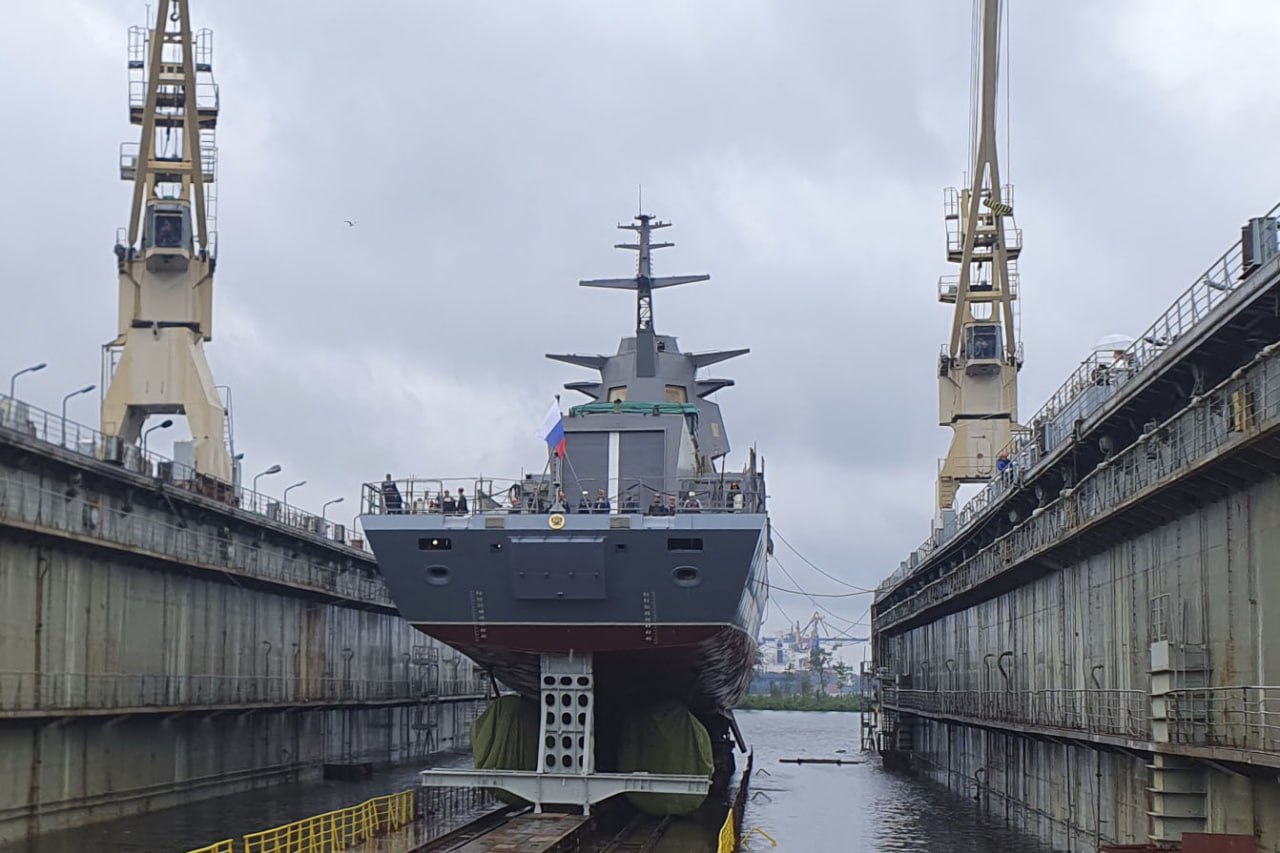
(978, 368)
(166, 256)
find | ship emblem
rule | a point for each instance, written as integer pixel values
(555, 521)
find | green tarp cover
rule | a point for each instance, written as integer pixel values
(505, 737)
(665, 738)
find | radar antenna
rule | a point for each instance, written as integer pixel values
(978, 368)
(166, 256)
(644, 284)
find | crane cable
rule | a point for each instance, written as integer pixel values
(1008, 100)
(861, 589)
(812, 599)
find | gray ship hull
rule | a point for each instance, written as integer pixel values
(669, 606)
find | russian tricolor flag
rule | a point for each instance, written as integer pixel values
(552, 430)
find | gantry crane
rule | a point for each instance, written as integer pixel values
(978, 368)
(166, 256)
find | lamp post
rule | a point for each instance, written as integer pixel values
(274, 469)
(165, 424)
(328, 504)
(85, 390)
(32, 369)
(285, 497)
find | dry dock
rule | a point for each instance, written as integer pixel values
(1090, 647)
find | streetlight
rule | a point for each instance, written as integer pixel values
(85, 390)
(274, 469)
(285, 497)
(164, 424)
(32, 369)
(328, 504)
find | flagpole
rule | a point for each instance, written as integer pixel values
(558, 477)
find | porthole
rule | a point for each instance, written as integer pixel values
(686, 576)
(439, 575)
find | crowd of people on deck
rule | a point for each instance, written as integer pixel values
(454, 502)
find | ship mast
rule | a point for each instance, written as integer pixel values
(644, 284)
(166, 256)
(978, 368)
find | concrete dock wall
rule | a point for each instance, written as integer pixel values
(1071, 653)
(1051, 790)
(158, 647)
(1202, 580)
(1105, 667)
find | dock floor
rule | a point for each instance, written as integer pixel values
(527, 833)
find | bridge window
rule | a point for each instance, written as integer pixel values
(677, 394)
(618, 394)
(982, 341)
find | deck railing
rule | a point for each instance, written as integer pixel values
(1243, 406)
(1244, 717)
(1124, 713)
(55, 511)
(1099, 378)
(76, 691)
(488, 495)
(20, 418)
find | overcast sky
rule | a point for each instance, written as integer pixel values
(487, 150)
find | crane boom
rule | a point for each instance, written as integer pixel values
(978, 367)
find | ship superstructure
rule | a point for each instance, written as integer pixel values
(631, 571)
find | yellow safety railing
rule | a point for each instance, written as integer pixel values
(342, 829)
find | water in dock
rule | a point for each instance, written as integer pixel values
(810, 807)
(822, 808)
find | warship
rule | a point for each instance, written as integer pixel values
(631, 571)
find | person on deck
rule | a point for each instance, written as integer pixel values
(392, 502)
(462, 502)
(448, 504)
(692, 504)
(601, 505)
(736, 501)
(1004, 466)
(656, 507)
(584, 505)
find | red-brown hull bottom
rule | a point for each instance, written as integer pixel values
(708, 667)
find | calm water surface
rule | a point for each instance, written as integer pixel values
(828, 809)
(807, 808)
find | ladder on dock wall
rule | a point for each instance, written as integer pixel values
(1177, 785)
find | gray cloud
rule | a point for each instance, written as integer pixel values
(487, 150)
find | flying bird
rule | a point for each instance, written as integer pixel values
(349, 223)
